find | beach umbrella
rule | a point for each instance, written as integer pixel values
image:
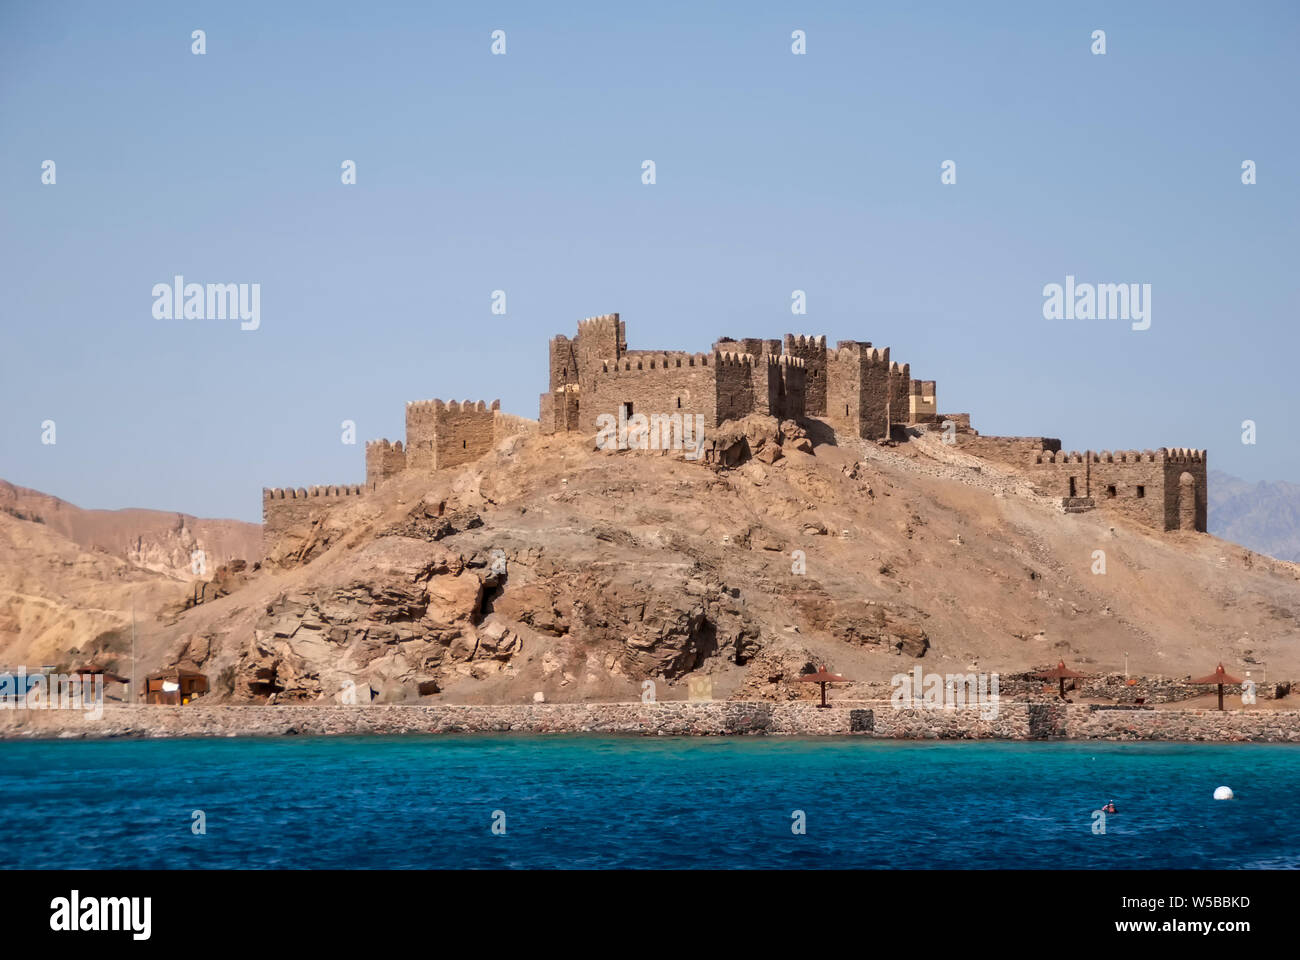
(94, 669)
(823, 677)
(1219, 677)
(1062, 673)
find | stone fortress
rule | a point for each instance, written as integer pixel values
(855, 389)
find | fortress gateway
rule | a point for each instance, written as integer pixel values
(855, 388)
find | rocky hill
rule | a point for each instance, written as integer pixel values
(549, 567)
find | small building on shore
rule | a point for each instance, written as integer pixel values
(175, 687)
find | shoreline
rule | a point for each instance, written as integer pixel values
(1015, 721)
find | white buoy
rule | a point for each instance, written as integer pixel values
(1223, 793)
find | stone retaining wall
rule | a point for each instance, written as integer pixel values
(1014, 721)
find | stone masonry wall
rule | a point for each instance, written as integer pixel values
(923, 405)
(419, 434)
(900, 389)
(284, 509)
(600, 340)
(1186, 490)
(1142, 485)
(563, 362)
(666, 383)
(1131, 484)
(1016, 451)
(812, 351)
(383, 460)
(560, 410)
(1018, 720)
(734, 376)
(463, 432)
(859, 389)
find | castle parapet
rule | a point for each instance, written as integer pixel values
(441, 435)
(384, 460)
(670, 360)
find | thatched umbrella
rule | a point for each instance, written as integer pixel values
(823, 677)
(94, 669)
(1062, 673)
(1220, 677)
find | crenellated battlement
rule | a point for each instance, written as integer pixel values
(308, 493)
(669, 360)
(1163, 455)
(452, 406)
(860, 351)
(785, 360)
(384, 459)
(728, 358)
(1060, 456)
(802, 340)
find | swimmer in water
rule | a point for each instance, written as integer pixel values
(1109, 807)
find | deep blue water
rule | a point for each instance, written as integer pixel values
(419, 802)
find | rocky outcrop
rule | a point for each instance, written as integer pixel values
(385, 634)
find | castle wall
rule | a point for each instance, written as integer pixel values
(734, 377)
(463, 432)
(441, 435)
(383, 460)
(665, 383)
(843, 390)
(560, 410)
(508, 424)
(419, 434)
(859, 385)
(778, 386)
(754, 346)
(600, 339)
(812, 351)
(1186, 490)
(287, 509)
(1016, 451)
(1145, 486)
(1130, 483)
(922, 405)
(563, 362)
(900, 390)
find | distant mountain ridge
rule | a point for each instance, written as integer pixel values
(1262, 516)
(73, 580)
(157, 540)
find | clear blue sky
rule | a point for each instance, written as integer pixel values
(523, 173)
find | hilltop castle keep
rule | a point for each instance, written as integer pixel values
(855, 388)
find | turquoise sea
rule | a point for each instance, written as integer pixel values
(627, 802)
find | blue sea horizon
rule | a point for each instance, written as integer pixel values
(560, 801)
